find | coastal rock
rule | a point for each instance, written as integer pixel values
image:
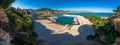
(4, 43)
(115, 20)
(3, 16)
(117, 41)
(5, 36)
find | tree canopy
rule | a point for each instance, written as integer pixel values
(6, 3)
(45, 11)
(23, 22)
(104, 28)
(117, 11)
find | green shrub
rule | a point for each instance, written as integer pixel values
(103, 27)
(21, 20)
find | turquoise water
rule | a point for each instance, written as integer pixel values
(65, 20)
(69, 20)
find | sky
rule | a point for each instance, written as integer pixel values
(92, 5)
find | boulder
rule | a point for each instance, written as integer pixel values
(115, 21)
(117, 41)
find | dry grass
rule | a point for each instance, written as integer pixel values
(117, 20)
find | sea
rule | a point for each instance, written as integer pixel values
(61, 19)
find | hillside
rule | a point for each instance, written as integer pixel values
(18, 26)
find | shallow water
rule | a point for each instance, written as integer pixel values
(90, 14)
(69, 20)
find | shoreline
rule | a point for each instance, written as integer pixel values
(67, 15)
(53, 33)
(56, 37)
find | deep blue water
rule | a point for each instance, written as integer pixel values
(90, 14)
(69, 20)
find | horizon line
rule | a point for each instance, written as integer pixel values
(96, 10)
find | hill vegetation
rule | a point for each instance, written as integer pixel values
(23, 23)
(5, 3)
(105, 27)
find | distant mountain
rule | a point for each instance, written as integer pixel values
(79, 11)
(48, 11)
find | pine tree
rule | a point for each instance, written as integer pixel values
(6, 3)
(117, 11)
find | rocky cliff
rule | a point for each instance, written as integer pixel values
(115, 21)
(5, 33)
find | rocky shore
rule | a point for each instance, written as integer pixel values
(5, 36)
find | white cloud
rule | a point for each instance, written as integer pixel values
(19, 4)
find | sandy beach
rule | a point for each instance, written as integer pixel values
(57, 34)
